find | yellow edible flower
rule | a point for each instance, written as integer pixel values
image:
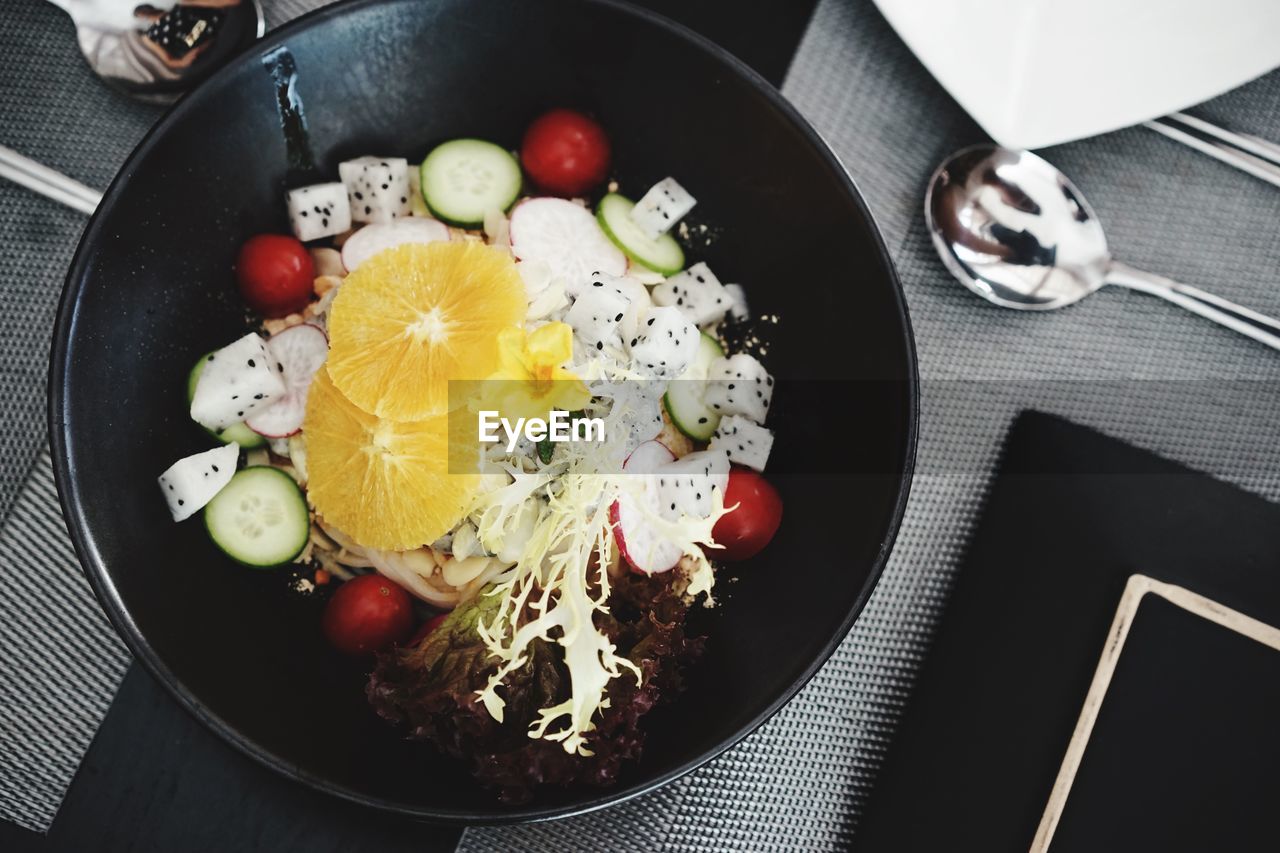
(533, 381)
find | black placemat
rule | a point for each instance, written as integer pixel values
(1072, 515)
(158, 780)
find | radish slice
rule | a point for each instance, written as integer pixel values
(372, 239)
(567, 237)
(639, 544)
(299, 351)
(648, 457)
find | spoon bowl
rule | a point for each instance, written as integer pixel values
(1016, 231)
(157, 51)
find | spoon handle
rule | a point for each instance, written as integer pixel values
(1246, 321)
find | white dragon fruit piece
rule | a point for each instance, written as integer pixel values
(697, 292)
(320, 210)
(631, 289)
(739, 309)
(378, 188)
(237, 381)
(658, 210)
(746, 443)
(191, 482)
(665, 343)
(638, 294)
(739, 385)
(685, 485)
(575, 287)
(595, 315)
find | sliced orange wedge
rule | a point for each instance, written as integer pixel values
(412, 318)
(386, 484)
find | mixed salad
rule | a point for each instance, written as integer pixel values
(521, 603)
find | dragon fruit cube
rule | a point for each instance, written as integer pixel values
(636, 294)
(658, 210)
(738, 385)
(738, 307)
(685, 485)
(664, 344)
(596, 314)
(192, 482)
(320, 210)
(697, 292)
(597, 280)
(237, 381)
(746, 443)
(378, 188)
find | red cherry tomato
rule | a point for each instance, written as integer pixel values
(565, 152)
(275, 274)
(426, 628)
(367, 614)
(746, 530)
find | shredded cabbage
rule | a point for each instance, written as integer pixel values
(560, 580)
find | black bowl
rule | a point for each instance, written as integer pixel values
(151, 288)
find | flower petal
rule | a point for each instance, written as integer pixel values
(551, 344)
(513, 355)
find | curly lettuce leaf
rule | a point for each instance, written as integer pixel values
(432, 689)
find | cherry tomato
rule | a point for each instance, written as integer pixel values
(426, 628)
(565, 152)
(275, 274)
(367, 614)
(746, 530)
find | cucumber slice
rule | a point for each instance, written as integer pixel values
(662, 255)
(239, 433)
(683, 400)
(464, 178)
(260, 518)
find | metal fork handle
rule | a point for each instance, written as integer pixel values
(55, 185)
(1251, 154)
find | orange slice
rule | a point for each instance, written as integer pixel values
(412, 318)
(386, 484)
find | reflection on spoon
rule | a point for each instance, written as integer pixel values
(1016, 231)
(156, 51)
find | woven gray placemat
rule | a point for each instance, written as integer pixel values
(63, 660)
(53, 109)
(1137, 368)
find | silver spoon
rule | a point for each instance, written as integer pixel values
(1015, 231)
(157, 50)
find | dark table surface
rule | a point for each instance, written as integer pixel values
(155, 779)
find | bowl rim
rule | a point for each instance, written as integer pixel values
(104, 589)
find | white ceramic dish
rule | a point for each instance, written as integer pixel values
(1035, 73)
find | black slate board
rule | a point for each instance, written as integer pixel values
(1071, 515)
(1183, 755)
